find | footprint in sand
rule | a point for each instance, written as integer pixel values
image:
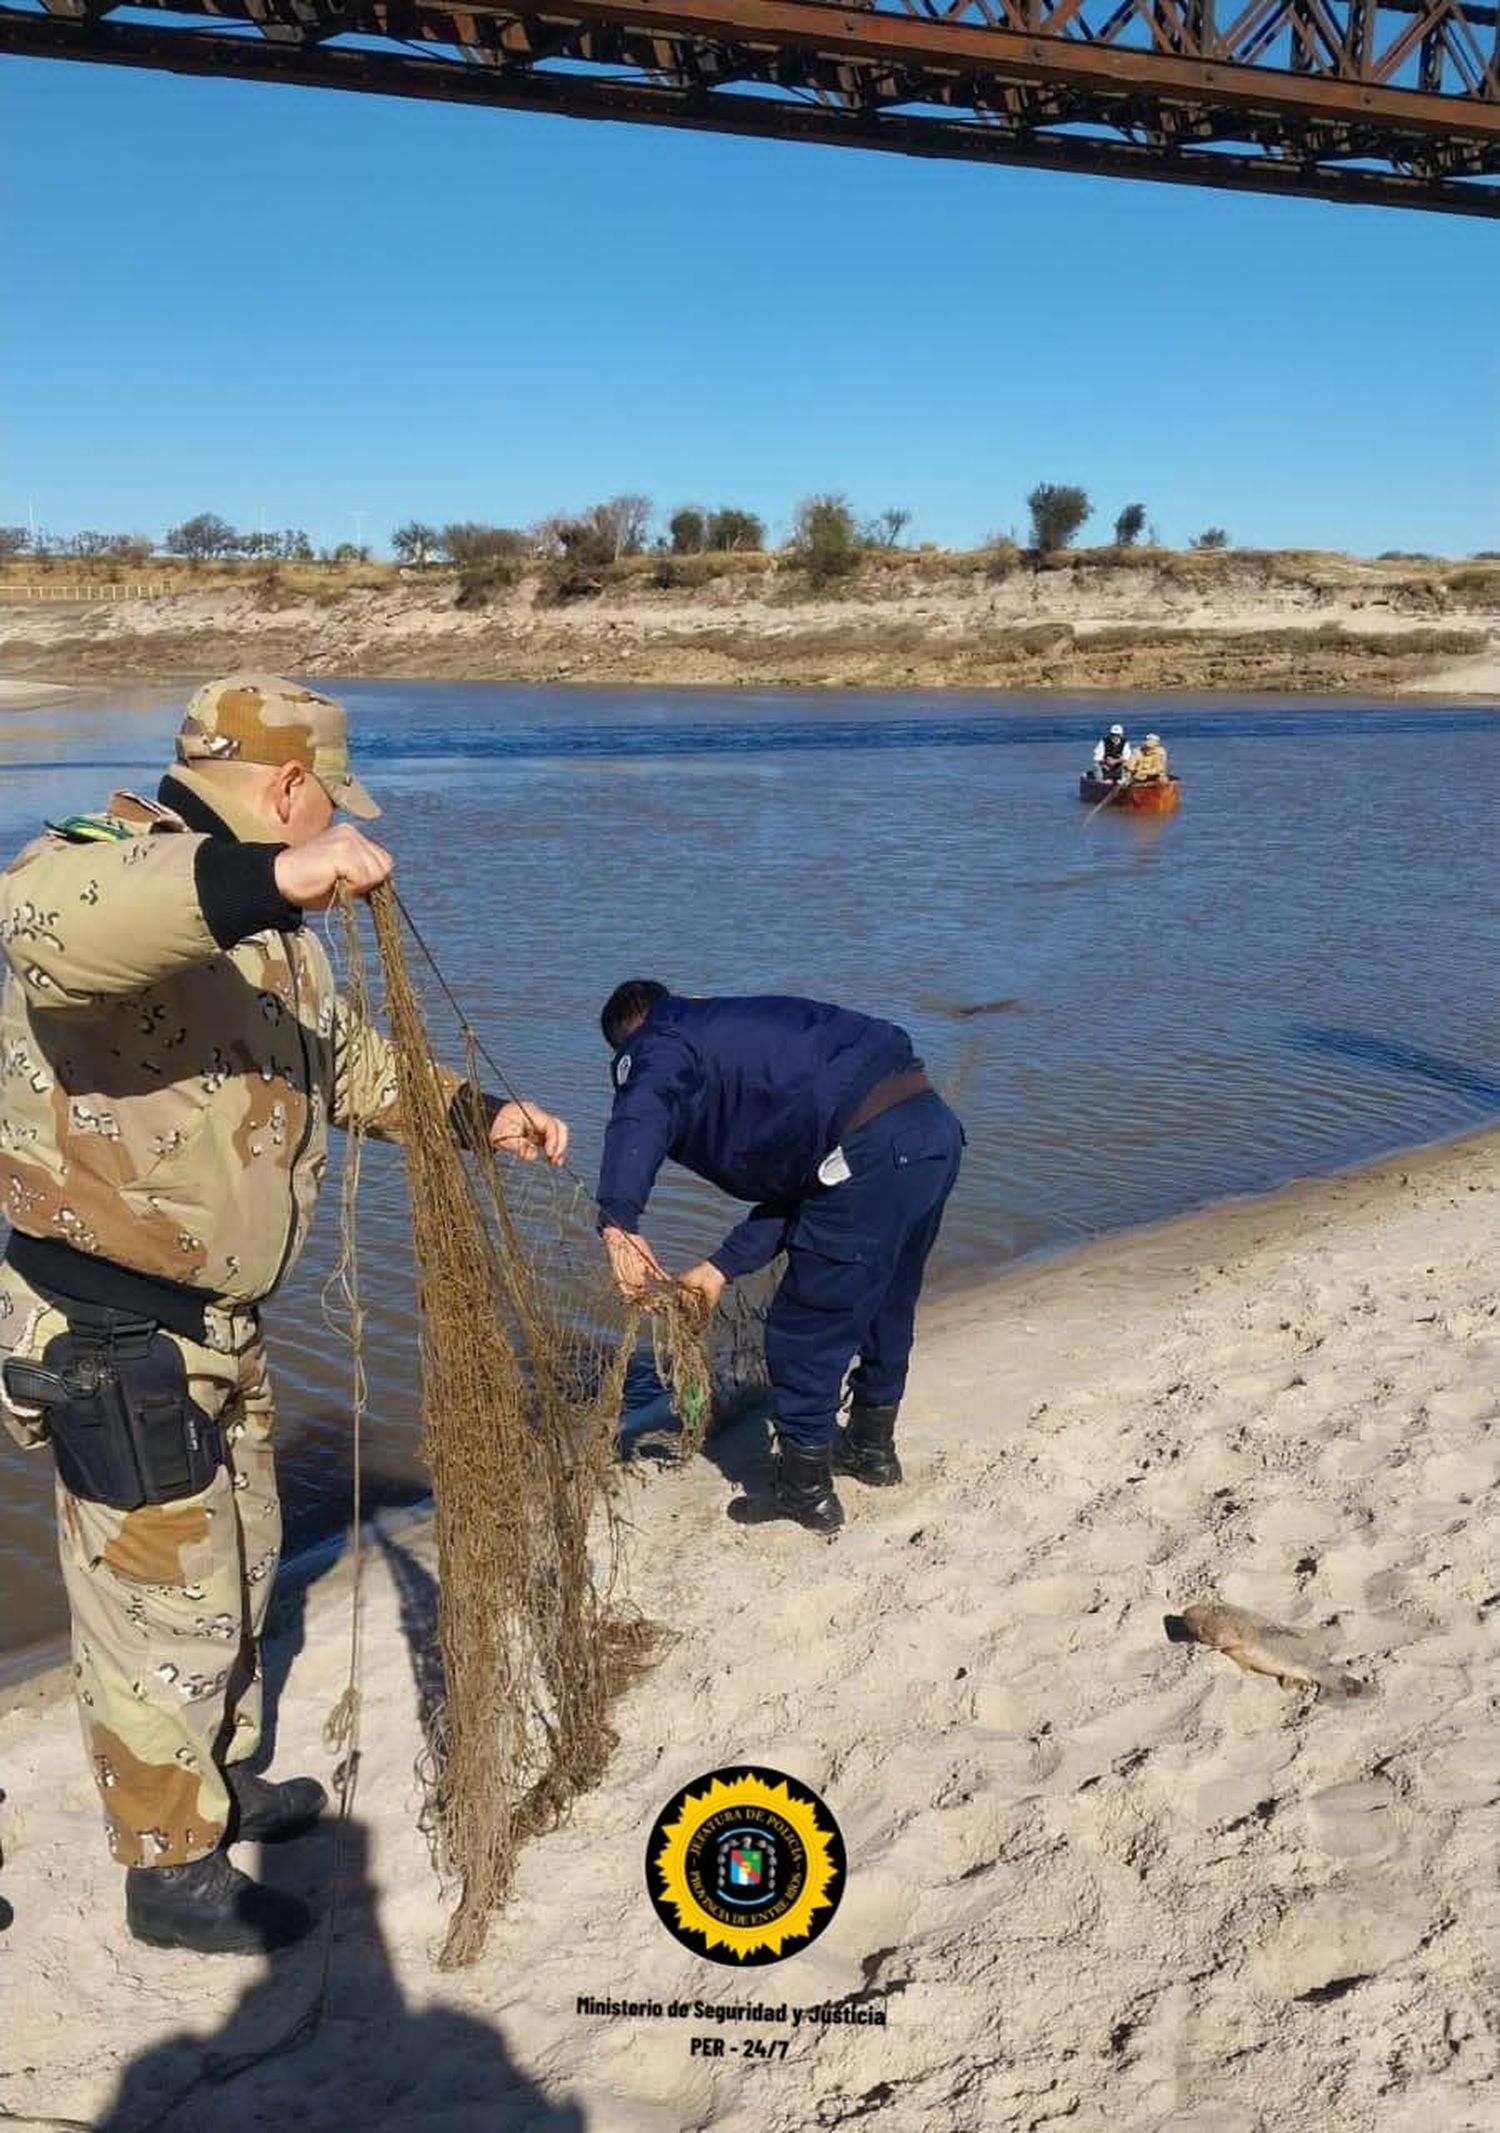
(1355, 1821)
(1262, 1647)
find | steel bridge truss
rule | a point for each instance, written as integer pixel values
(1391, 101)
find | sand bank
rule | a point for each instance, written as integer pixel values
(1096, 1879)
(21, 695)
(1478, 677)
(1310, 625)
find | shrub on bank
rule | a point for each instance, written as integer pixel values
(1058, 510)
(480, 583)
(825, 539)
(1476, 587)
(682, 571)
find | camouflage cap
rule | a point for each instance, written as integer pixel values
(259, 718)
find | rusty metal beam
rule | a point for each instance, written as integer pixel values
(931, 47)
(1395, 102)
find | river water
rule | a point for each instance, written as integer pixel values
(1133, 1016)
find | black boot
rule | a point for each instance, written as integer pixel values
(263, 1810)
(866, 1447)
(212, 1908)
(804, 1490)
(804, 1485)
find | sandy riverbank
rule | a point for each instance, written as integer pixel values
(1309, 624)
(22, 695)
(1476, 677)
(1095, 1878)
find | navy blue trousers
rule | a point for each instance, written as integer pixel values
(855, 1258)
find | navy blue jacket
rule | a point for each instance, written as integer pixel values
(751, 1094)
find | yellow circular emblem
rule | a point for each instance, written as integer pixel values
(745, 1866)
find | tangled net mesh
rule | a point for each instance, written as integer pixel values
(525, 1345)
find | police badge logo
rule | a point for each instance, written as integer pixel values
(745, 1866)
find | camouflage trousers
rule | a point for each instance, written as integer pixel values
(167, 1604)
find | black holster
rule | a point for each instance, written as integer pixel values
(124, 1428)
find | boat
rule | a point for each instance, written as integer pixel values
(1153, 799)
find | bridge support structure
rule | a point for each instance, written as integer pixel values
(1395, 102)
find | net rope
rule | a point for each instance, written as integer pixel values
(525, 1343)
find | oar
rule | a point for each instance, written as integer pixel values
(1110, 797)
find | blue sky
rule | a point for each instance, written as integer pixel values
(340, 311)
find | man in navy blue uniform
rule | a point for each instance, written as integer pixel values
(827, 1121)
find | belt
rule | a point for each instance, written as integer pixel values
(62, 1276)
(890, 1090)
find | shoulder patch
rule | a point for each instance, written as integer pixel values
(89, 829)
(622, 1070)
(139, 813)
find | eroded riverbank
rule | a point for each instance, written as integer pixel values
(1201, 623)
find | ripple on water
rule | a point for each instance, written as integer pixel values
(1134, 1017)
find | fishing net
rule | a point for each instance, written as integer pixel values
(525, 1345)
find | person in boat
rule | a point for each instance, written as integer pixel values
(1148, 766)
(1112, 755)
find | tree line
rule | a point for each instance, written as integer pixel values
(604, 533)
(1059, 511)
(827, 536)
(207, 537)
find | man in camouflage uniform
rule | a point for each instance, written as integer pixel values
(172, 1053)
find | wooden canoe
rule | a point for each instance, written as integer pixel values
(1161, 799)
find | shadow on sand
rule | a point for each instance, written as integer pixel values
(315, 1539)
(372, 2061)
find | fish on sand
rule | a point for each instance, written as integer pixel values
(1262, 1647)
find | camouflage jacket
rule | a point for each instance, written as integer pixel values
(165, 1100)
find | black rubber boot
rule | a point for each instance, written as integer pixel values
(866, 1447)
(804, 1485)
(212, 1908)
(263, 1810)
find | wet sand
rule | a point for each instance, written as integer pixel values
(1095, 1877)
(25, 695)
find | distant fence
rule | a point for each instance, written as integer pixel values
(89, 589)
